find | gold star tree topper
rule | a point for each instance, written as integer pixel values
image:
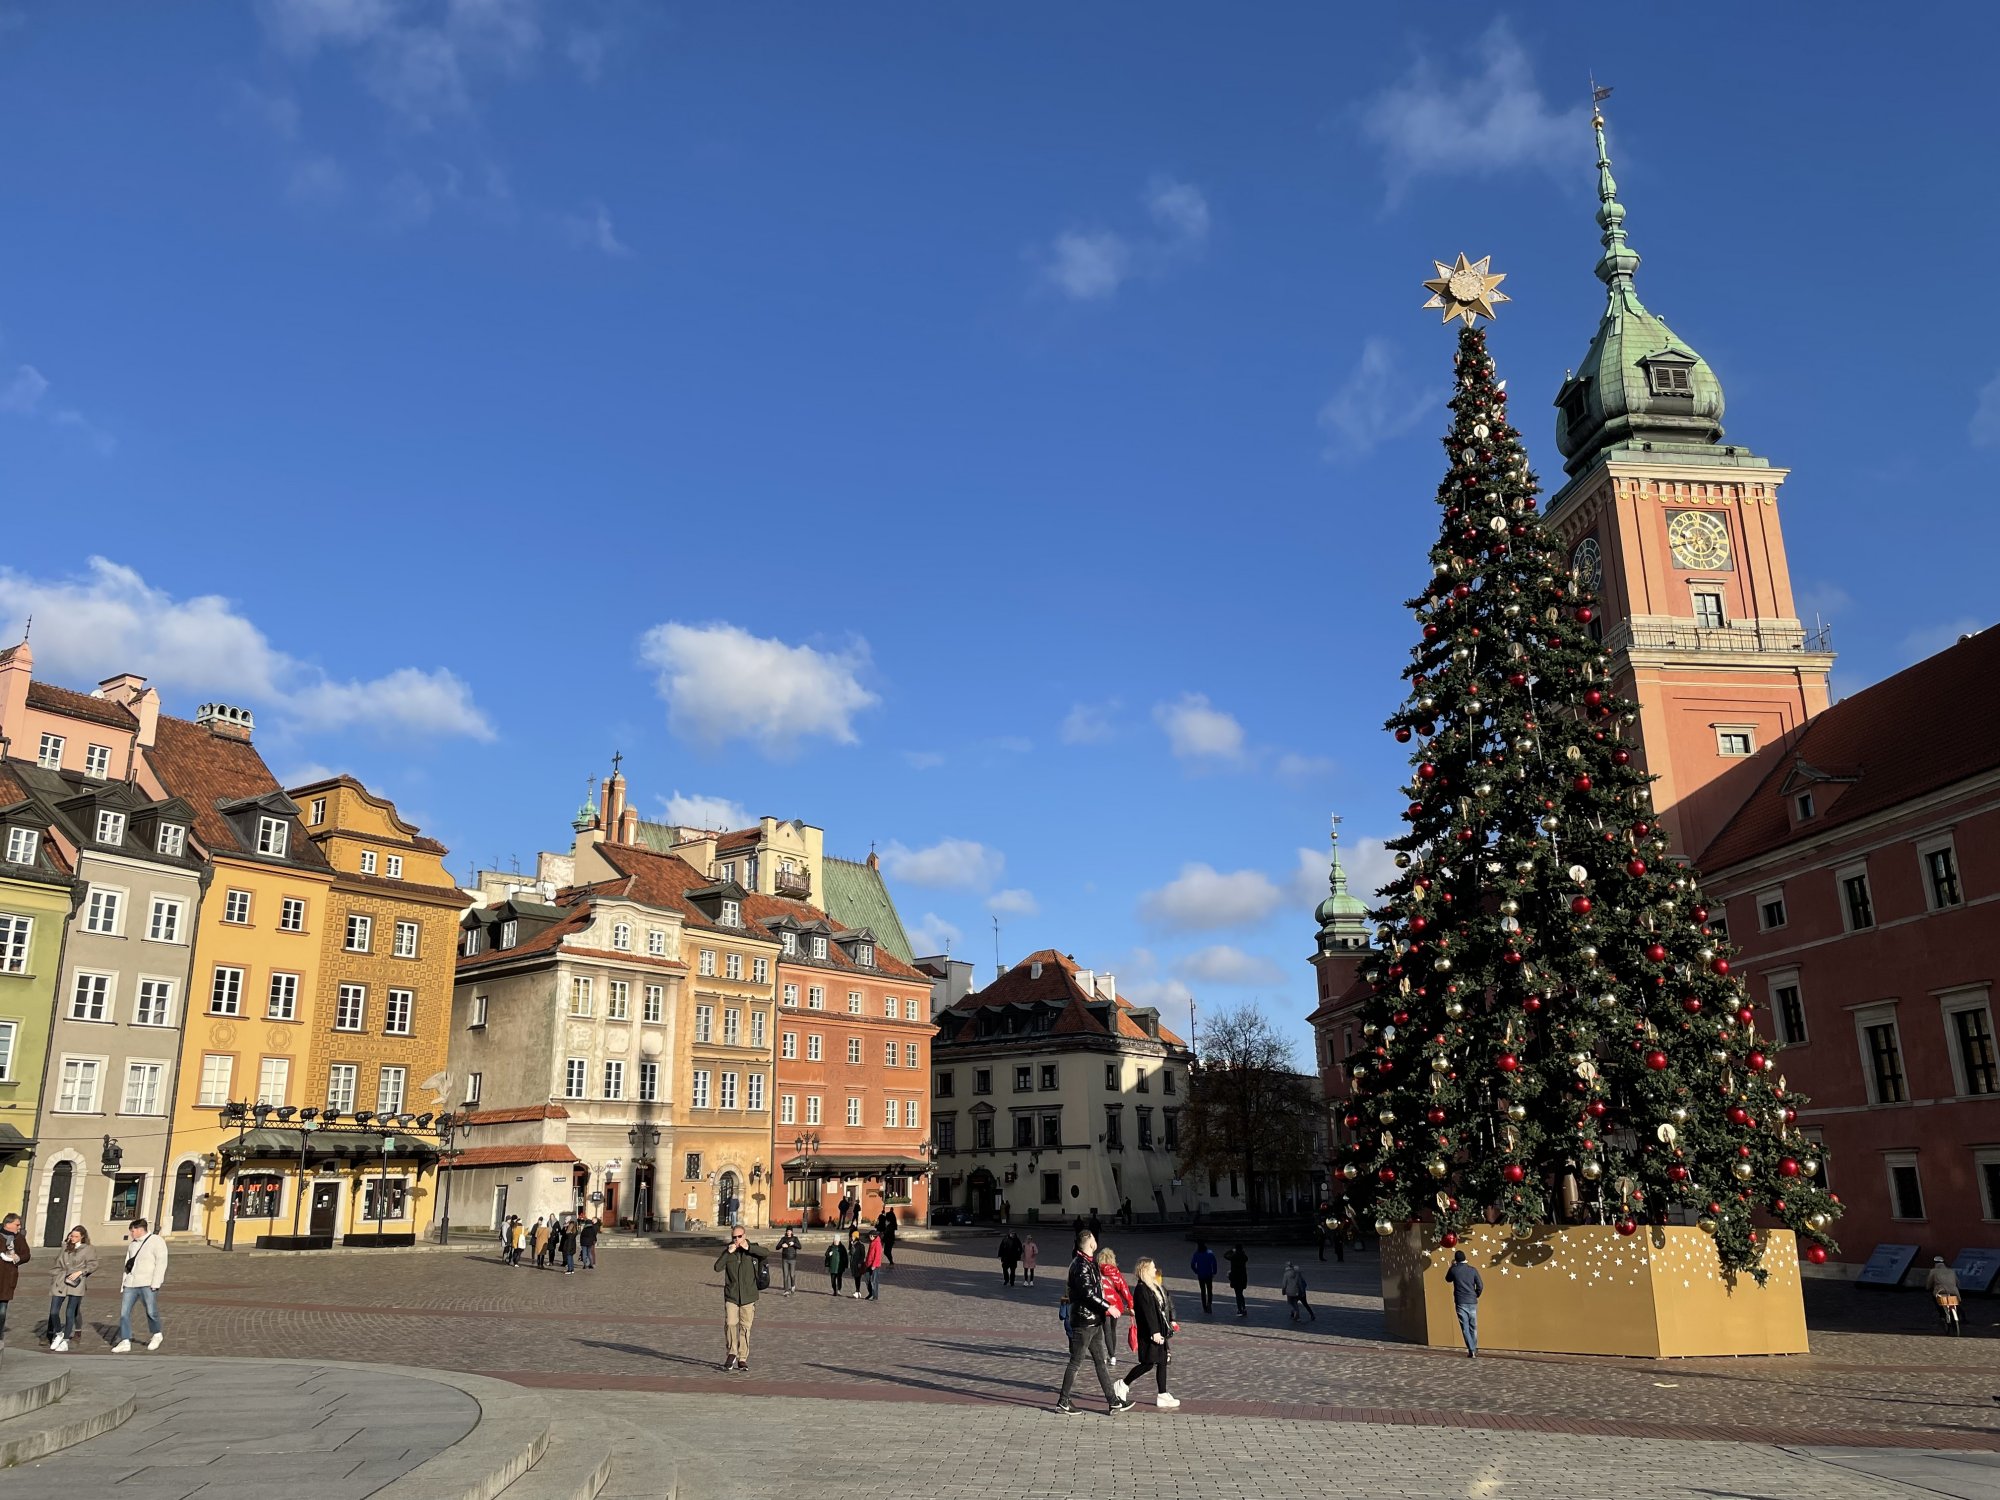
(1466, 290)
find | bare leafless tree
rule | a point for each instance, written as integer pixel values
(1249, 1110)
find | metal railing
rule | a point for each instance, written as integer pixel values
(1746, 638)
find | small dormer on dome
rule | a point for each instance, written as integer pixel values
(1639, 385)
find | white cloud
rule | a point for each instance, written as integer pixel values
(1985, 430)
(592, 230)
(1202, 898)
(306, 773)
(22, 395)
(1224, 964)
(1089, 723)
(1294, 767)
(1180, 211)
(932, 934)
(697, 811)
(1013, 903)
(949, 864)
(1168, 994)
(1199, 731)
(722, 683)
(418, 59)
(1375, 404)
(1370, 864)
(111, 620)
(922, 760)
(1496, 121)
(1090, 265)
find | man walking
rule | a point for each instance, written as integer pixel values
(788, 1258)
(145, 1274)
(1087, 1312)
(871, 1263)
(739, 1263)
(1466, 1285)
(1203, 1266)
(586, 1242)
(13, 1256)
(886, 1227)
(1239, 1277)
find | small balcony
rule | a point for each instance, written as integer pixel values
(794, 883)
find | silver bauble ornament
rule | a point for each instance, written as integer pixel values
(1383, 1228)
(1591, 1170)
(1517, 1112)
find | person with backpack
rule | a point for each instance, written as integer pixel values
(1153, 1324)
(145, 1274)
(836, 1262)
(1010, 1257)
(788, 1258)
(1203, 1266)
(744, 1275)
(1294, 1288)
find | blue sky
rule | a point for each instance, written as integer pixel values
(1001, 434)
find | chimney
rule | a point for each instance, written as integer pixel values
(874, 860)
(613, 808)
(1107, 986)
(628, 826)
(226, 721)
(17, 670)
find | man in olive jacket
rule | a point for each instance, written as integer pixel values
(738, 1263)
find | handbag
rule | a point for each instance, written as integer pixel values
(1132, 1334)
(763, 1275)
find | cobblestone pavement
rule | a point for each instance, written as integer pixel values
(1259, 1390)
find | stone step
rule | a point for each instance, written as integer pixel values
(592, 1456)
(90, 1405)
(29, 1385)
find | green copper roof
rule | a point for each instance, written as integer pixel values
(1342, 918)
(857, 896)
(1639, 384)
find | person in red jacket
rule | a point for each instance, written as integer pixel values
(871, 1263)
(1117, 1294)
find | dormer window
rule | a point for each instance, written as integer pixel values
(273, 837)
(1803, 806)
(621, 936)
(1671, 380)
(819, 947)
(172, 840)
(97, 761)
(864, 955)
(789, 941)
(110, 827)
(510, 933)
(318, 813)
(471, 941)
(21, 845)
(49, 755)
(732, 914)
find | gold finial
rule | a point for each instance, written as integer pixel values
(1466, 290)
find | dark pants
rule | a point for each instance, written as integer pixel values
(1029, 1277)
(836, 1282)
(1087, 1341)
(790, 1265)
(1339, 1249)
(888, 1251)
(1207, 1293)
(1242, 1307)
(1007, 1272)
(65, 1316)
(1152, 1357)
(874, 1281)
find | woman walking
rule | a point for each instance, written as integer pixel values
(836, 1261)
(1294, 1288)
(74, 1263)
(1117, 1296)
(1153, 1317)
(1029, 1255)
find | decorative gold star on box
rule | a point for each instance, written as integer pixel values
(1466, 290)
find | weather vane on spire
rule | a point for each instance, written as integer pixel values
(1466, 290)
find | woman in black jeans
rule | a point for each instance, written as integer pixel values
(1153, 1321)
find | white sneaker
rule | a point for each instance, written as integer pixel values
(156, 1340)
(59, 1346)
(123, 1346)
(1120, 1389)
(1169, 1402)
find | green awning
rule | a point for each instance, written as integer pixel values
(12, 1142)
(268, 1142)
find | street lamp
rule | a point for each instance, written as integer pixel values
(308, 1123)
(239, 1114)
(450, 1129)
(929, 1152)
(645, 1141)
(807, 1147)
(382, 1189)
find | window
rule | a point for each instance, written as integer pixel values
(788, 943)
(621, 936)
(727, 1096)
(946, 1134)
(1790, 1012)
(1670, 380)
(472, 941)
(97, 763)
(854, 1004)
(1052, 1187)
(704, 1023)
(1735, 742)
(510, 932)
(405, 943)
(854, 1050)
(815, 997)
(479, 1003)
(1145, 1129)
(705, 964)
(788, 1044)
(656, 1003)
(1906, 1186)
(105, 911)
(292, 915)
(143, 1081)
(317, 815)
(475, 1087)
(128, 1191)
(1144, 1081)
(818, 946)
(1708, 609)
(21, 845)
(910, 1011)
(217, 1069)
(888, 1055)
(1882, 1049)
(391, 1085)
(941, 1085)
(982, 1133)
(1941, 877)
(753, 1097)
(656, 942)
(360, 932)
(982, 1080)
(812, 1109)
(618, 1004)
(757, 1028)
(1024, 1133)
(1024, 1080)
(367, 861)
(76, 1093)
(155, 1005)
(1970, 1022)
(1803, 806)
(582, 1001)
(729, 872)
(236, 907)
(49, 756)
(892, 1111)
(576, 1077)
(350, 1007)
(649, 1082)
(732, 1027)
(760, 970)
(698, 1096)
(225, 993)
(1770, 910)
(283, 1004)
(1172, 1139)
(1048, 1075)
(788, 1109)
(397, 1011)
(15, 935)
(864, 954)
(342, 1079)
(791, 995)
(691, 1166)
(273, 837)
(274, 1077)
(110, 827)
(164, 926)
(384, 1200)
(1052, 1130)
(614, 1080)
(172, 840)
(394, 867)
(813, 1047)
(1856, 902)
(732, 914)
(910, 1055)
(258, 1195)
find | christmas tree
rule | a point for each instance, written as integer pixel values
(1555, 1034)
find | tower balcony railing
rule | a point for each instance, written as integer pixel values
(794, 883)
(1743, 637)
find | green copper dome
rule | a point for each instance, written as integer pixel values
(1343, 919)
(1639, 384)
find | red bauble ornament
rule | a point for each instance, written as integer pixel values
(1621, 757)
(1582, 783)
(1427, 772)
(1755, 1061)
(1510, 957)
(1626, 1226)
(1418, 924)
(1635, 867)
(1403, 734)
(1738, 1115)
(1701, 914)
(1677, 1174)
(1386, 1175)
(1745, 1016)
(1691, 1004)
(1595, 1109)
(1447, 1239)
(1430, 632)
(1584, 614)
(1514, 1172)
(1721, 966)
(1580, 905)
(1788, 1168)
(1657, 952)
(1791, 1115)
(1532, 1004)
(1641, 829)
(1434, 1116)
(1657, 1061)
(1507, 1062)
(1816, 1254)
(1593, 697)
(1517, 679)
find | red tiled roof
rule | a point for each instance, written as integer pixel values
(209, 770)
(507, 1156)
(1056, 985)
(515, 1116)
(415, 889)
(61, 700)
(742, 838)
(1917, 732)
(665, 880)
(550, 937)
(766, 909)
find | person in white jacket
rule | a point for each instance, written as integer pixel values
(145, 1274)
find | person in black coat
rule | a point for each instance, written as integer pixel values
(886, 1226)
(1153, 1322)
(1010, 1257)
(1239, 1277)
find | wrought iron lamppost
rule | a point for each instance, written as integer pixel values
(807, 1147)
(450, 1130)
(238, 1113)
(308, 1123)
(645, 1140)
(929, 1152)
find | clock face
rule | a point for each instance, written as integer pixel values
(1587, 563)
(1699, 539)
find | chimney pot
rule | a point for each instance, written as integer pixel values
(226, 721)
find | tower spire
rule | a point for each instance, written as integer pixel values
(1620, 260)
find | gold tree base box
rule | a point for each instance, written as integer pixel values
(1586, 1289)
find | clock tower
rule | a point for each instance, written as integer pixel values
(1676, 532)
